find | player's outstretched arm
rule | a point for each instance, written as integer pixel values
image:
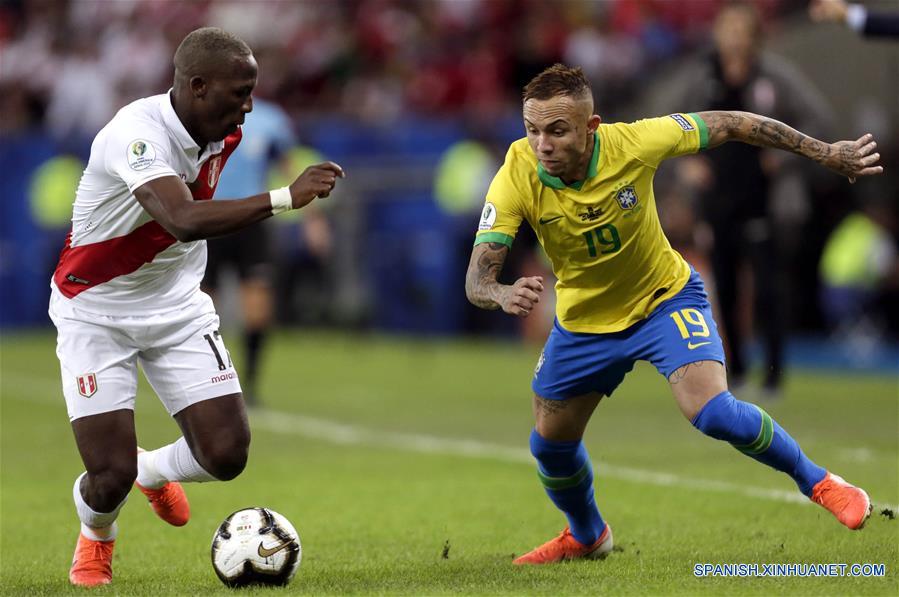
(484, 291)
(848, 158)
(168, 200)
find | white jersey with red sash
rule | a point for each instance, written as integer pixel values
(117, 260)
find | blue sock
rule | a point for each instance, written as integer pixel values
(565, 471)
(752, 431)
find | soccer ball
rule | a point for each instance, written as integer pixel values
(256, 546)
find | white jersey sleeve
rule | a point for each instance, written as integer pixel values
(138, 153)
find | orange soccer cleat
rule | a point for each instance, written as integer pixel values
(850, 504)
(566, 547)
(169, 502)
(92, 563)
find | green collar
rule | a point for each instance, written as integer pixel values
(556, 183)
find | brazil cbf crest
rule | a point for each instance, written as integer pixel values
(87, 384)
(626, 197)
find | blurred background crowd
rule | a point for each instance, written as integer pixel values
(418, 100)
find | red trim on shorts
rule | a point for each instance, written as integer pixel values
(86, 266)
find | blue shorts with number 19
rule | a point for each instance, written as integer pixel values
(679, 331)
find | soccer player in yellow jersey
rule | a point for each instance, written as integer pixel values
(623, 294)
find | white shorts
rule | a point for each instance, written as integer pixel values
(181, 353)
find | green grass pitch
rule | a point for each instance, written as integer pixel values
(404, 466)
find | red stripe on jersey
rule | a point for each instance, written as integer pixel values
(204, 186)
(86, 266)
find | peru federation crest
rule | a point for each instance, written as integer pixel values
(215, 167)
(87, 384)
(627, 197)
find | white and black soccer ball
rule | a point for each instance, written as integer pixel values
(256, 546)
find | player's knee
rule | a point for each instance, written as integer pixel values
(539, 446)
(227, 458)
(549, 451)
(108, 487)
(716, 418)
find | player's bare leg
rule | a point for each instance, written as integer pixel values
(214, 447)
(700, 390)
(108, 448)
(567, 475)
(218, 433)
(694, 384)
(564, 420)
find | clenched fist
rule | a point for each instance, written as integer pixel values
(317, 180)
(521, 297)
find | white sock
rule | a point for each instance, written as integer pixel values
(97, 526)
(147, 474)
(173, 462)
(100, 534)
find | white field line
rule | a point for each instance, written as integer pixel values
(49, 391)
(345, 434)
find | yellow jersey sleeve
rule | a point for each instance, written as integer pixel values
(653, 140)
(502, 213)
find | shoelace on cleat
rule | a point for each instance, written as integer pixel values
(163, 496)
(840, 498)
(97, 555)
(556, 545)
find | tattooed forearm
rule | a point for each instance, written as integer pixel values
(848, 158)
(764, 132)
(481, 285)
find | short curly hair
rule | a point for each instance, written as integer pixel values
(558, 80)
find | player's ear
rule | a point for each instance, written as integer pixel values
(198, 86)
(593, 124)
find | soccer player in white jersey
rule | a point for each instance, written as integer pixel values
(126, 292)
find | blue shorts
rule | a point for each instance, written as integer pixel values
(679, 331)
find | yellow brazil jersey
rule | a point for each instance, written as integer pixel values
(602, 235)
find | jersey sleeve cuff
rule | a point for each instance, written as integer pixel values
(494, 237)
(703, 130)
(134, 185)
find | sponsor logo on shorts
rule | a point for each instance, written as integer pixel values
(539, 363)
(691, 346)
(223, 377)
(87, 384)
(488, 217)
(141, 154)
(683, 122)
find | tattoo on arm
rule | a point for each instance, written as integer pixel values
(762, 131)
(481, 285)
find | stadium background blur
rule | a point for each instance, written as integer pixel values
(418, 101)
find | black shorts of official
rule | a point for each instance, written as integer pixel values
(247, 252)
